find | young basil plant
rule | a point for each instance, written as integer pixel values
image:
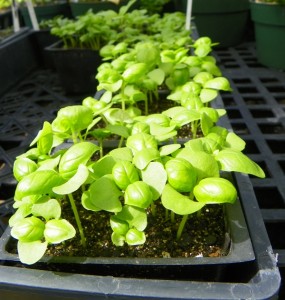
(46, 177)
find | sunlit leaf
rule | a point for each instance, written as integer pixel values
(138, 194)
(134, 216)
(135, 237)
(204, 163)
(28, 230)
(178, 203)
(218, 83)
(105, 194)
(74, 183)
(48, 209)
(77, 154)
(31, 252)
(215, 190)
(57, 231)
(39, 182)
(143, 157)
(168, 149)
(155, 176)
(235, 161)
(23, 166)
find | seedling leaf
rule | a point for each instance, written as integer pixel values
(31, 252)
(178, 203)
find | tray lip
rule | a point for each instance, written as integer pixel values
(22, 33)
(240, 251)
(56, 48)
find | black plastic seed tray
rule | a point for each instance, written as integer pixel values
(256, 109)
(256, 112)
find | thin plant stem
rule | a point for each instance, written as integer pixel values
(123, 104)
(172, 216)
(166, 214)
(77, 219)
(74, 137)
(194, 129)
(181, 226)
(121, 142)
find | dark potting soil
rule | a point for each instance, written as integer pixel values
(204, 235)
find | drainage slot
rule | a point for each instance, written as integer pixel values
(254, 100)
(280, 100)
(247, 89)
(242, 80)
(228, 101)
(271, 128)
(7, 145)
(282, 165)
(252, 63)
(251, 147)
(276, 89)
(262, 113)
(227, 60)
(276, 146)
(268, 80)
(276, 234)
(44, 103)
(234, 114)
(240, 128)
(268, 197)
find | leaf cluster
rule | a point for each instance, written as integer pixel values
(121, 182)
(148, 167)
(94, 30)
(153, 7)
(136, 74)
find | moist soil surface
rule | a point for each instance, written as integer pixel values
(204, 236)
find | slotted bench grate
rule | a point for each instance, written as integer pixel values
(256, 109)
(23, 111)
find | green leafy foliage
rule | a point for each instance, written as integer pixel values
(57, 231)
(149, 166)
(124, 173)
(104, 194)
(181, 174)
(75, 156)
(36, 183)
(138, 194)
(28, 230)
(179, 203)
(215, 190)
(231, 160)
(31, 252)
